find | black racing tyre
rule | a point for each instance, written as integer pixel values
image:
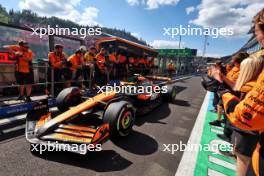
(68, 97)
(170, 94)
(121, 117)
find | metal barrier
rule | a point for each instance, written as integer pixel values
(8, 81)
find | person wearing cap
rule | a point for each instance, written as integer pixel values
(57, 61)
(75, 62)
(24, 71)
(89, 60)
(100, 68)
(171, 68)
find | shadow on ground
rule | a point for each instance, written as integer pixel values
(106, 160)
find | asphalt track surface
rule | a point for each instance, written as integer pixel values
(141, 153)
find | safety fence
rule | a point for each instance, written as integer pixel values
(40, 72)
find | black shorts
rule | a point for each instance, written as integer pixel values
(24, 78)
(245, 143)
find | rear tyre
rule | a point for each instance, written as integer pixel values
(68, 97)
(121, 118)
(170, 95)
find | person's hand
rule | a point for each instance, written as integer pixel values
(216, 74)
(19, 54)
(64, 62)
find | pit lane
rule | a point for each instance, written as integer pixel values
(139, 154)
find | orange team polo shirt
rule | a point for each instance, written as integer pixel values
(141, 61)
(75, 61)
(131, 60)
(100, 60)
(112, 58)
(55, 60)
(233, 74)
(136, 61)
(122, 59)
(23, 63)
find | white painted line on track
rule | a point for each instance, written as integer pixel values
(187, 164)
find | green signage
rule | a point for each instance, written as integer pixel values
(177, 52)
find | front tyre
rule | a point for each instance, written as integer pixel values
(170, 95)
(121, 117)
(67, 98)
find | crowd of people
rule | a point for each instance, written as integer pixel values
(95, 67)
(239, 98)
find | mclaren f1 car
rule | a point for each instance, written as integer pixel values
(92, 120)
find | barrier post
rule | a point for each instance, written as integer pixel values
(90, 77)
(51, 48)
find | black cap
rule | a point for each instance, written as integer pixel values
(22, 43)
(58, 46)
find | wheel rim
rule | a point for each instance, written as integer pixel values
(173, 93)
(126, 120)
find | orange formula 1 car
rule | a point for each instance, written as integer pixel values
(93, 120)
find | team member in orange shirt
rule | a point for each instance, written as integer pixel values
(75, 61)
(248, 114)
(89, 60)
(229, 82)
(171, 68)
(232, 75)
(24, 72)
(100, 68)
(57, 61)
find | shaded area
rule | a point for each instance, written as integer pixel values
(135, 141)
(155, 116)
(103, 161)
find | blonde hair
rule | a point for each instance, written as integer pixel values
(250, 68)
(259, 17)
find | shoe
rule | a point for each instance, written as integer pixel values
(223, 121)
(224, 137)
(20, 97)
(216, 123)
(28, 99)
